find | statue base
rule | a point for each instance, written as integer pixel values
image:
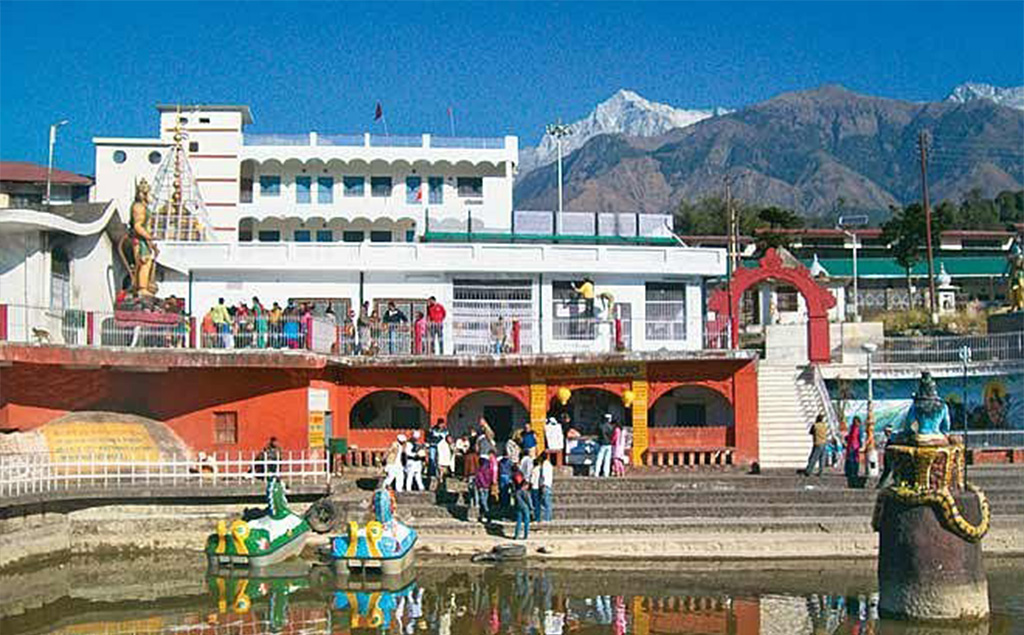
(926, 572)
(930, 523)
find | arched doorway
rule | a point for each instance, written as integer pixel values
(690, 406)
(587, 407)
(387, 410)
(726, 302)
(503, 412)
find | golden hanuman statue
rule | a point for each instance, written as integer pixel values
(144, 250)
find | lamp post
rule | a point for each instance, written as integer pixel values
(559, 131)
(965, 359)
(841, 224)
(49, 164)
(869, 444)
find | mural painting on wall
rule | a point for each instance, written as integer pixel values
(994, 402)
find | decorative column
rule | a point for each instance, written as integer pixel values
(538, 411)
(640, 437)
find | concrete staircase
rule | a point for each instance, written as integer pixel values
(787, 403)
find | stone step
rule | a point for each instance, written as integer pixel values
(675, 510)
(804, 497)
(701, 526)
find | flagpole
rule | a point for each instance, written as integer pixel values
(384, 119)
(451, 119)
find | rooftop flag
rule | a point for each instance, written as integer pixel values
(379, 112)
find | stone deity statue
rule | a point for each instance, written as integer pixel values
(929, 412)
(144, 248)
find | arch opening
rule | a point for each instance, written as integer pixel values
(586, 409)
(388, 410)
(504, 414)
(689, 406)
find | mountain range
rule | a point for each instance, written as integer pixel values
(807, 150)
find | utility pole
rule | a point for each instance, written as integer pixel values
(922, 143)
(730, 263)
(49, 163)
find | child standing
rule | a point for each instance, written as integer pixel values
(524, 508)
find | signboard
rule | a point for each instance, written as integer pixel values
(628, 370)
(640, 439)
(538, 411)
(318, 400)
(129, 441)
(317, 430)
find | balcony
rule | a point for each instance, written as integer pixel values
(483, 336)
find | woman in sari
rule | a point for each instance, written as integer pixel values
(852, 467)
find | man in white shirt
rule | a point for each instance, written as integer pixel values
(547, 481)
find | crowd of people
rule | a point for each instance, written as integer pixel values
(513, 479)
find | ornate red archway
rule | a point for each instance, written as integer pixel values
(771, 267)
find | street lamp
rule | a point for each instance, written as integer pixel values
(965, 359)
(841, 224)
(49, 165)
(869, 443)
(559, 131)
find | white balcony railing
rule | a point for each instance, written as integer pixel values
(997, 347)
(376, 141)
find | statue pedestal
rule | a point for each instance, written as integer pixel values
(925, 571)
(930, 524)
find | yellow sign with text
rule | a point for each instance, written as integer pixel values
(112, 439)
(538, 411)
(317, 430)
(640, 439)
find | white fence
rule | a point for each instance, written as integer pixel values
(999, 347)
(40, 472)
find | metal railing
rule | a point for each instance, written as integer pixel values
(275, 139)
(998, 347)
(995, 439)
(825, 400)
(470, 143)
(396, 141)
(351, 140)
(41, 472)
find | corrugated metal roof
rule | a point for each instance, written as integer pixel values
(888, 268)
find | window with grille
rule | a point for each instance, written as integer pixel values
(270, 185)
(325, 190)
(666, 311)
(380, 186)
(569, 317)
(353, 185)
(476, 306)
(786, 299)
(60, 279)
(225, 427)
(470, 186)
(303, 187)
(436, 186)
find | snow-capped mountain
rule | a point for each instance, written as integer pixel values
(970, 91)
(624, 112)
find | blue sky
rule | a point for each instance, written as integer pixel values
(505, 68)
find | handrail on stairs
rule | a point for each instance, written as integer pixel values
(831, 418)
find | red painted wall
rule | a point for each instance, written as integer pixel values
(272, 401)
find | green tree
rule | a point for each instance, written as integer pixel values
(708, 217)
(906, 234)
(777, 218)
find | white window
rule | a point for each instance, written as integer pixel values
(666, 311)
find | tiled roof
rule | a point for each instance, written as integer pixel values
(25, 172)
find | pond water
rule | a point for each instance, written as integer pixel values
(173, 594)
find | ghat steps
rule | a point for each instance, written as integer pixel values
(787, 403)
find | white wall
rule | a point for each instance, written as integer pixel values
(25, 261)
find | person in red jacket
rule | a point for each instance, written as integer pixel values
(435, 326)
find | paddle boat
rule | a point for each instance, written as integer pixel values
(384, 544)
(261, 539)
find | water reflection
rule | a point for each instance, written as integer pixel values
(484, 601)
